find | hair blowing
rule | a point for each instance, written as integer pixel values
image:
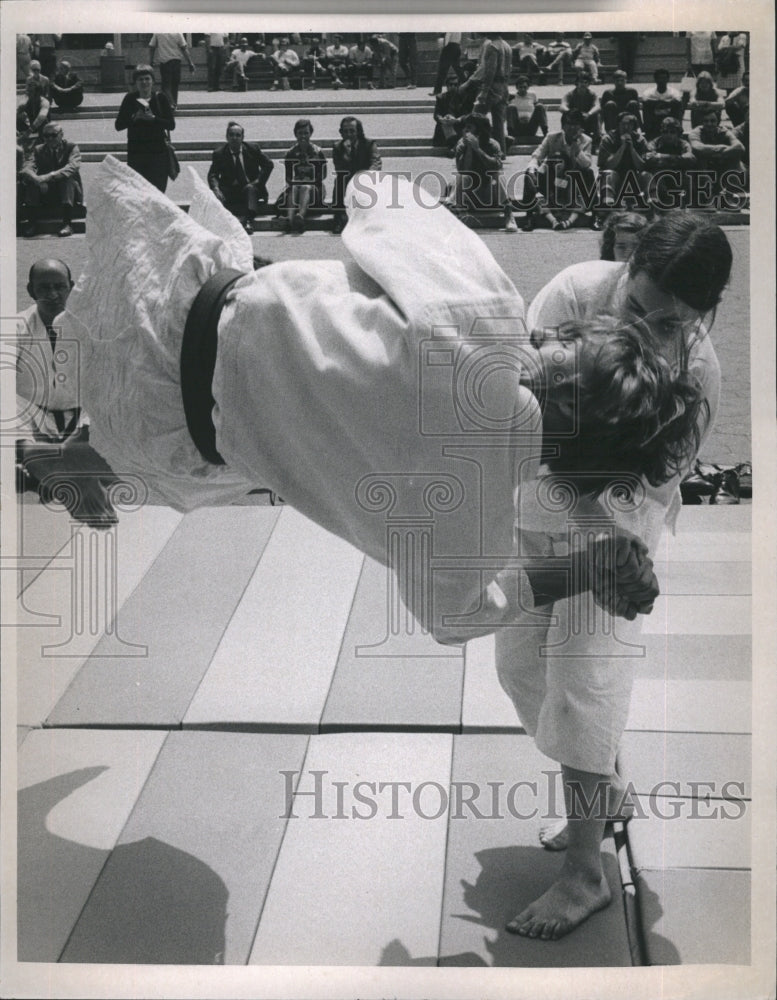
(686, 256)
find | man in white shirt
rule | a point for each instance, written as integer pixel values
(46, 367)
(238, 62)
(337, 61)
(286, 64)
(170, 48)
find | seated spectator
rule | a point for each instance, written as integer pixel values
(705, 98)
(313, 62)
(67, 90)
(479, 182)
(622, 173)
(450, 109)
(305, 168)
(584, 100)
(52, 180)
(238, 63)
(286, 64)
(738, 102)
(337, 61)
(238, 175)
(350, 154)
(586, 57)
(360, 61)
(557, 55)
(617, 99)
(33, 114)
(620, 235)
(526, 115)
(718, 150)
(51, 405)
(551, 181)
(669, 158)
(43, 81)
(384, 60)
(661, 102)
(526, 56)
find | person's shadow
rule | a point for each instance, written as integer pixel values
(510, 878)
(152, 902)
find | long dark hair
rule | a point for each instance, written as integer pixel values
(686, 256)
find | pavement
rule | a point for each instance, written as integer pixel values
(189, 781)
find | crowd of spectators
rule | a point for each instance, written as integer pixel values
(635, 141)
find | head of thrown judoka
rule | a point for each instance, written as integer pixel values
(613, 407)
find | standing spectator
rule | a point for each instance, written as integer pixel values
(738, 102)
(557, 56)
(479, 182)
(471, 48)
(286, 65)
(526, 55)
(719, 151)
(46, 53)
(52, 179)
(586, 57)
(33, 114)
(238, 175)
(42, 81)
(350, 154)
(700, 48)
(661, 102)
(384, 60)
(360, 62)
(314, 61)
(626, 43)
(450, 109)
(305, 167)
(67, 89)
(238, 63)
(581, 98)
(337, 61)
(450, 58)
(51, 404)
(491, 77)
(549, 169)
(23, 57)
(622, 164)
(526, 115)
(705, 98)
(147, 116)
(218, 46)
(668, 160)
(620, 235)
(730, 60)
(408, 57)
(170, 48)
(617, 99)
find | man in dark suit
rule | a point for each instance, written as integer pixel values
(352, 153)
(52, 178)
(238, 175)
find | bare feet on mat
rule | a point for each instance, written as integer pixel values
(567, 903)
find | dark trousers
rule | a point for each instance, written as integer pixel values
(69, 101)
(152, 166)
(59, 195)
(216, 59)
(527, 130)
(449, 59)
(170, 74)
(408, 57)
(610, 112)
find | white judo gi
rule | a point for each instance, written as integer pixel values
(380, 396)
(573, 696)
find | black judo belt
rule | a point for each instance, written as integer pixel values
(198, 361)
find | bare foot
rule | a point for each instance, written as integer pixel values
(555, 836)
(568, 902)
